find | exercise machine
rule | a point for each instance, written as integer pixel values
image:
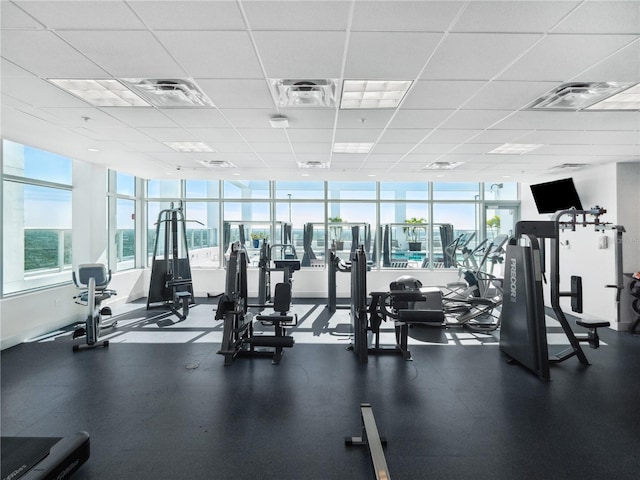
(371, 438)
(287, 264)
(336, 264)
(238, 335)
(93, 281)
(43, 458)
(171, 286)
(523, 336)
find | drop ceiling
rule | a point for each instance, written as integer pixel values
(475, 66)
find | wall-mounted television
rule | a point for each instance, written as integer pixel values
(557, 195)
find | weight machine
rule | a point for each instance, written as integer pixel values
(523, 336)
(238, 337)
(93, 280)
(171, 286)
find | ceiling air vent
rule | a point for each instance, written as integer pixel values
(168, 93)
(576, 96)
(313, 164)
(441, 166)
(216, 164)
(304, 93)
(569, 166)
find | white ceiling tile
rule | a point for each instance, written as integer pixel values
(478, 56)
(169, 134)
(244, 118)
(309, 118)
(44, 54)
(312, 147)
(237, 93)
(297, 15)
(34, 91)
(442, 135)
(10, 70)
(139, 116)
(310, 134)
(383, 148)
(474, 148)
(438, 94)
(501, 136)
(623, 66)
(358, 118)
(434, 148)
(189, 15)
(147, 147)
(474, 119)
(590, 150)
(545, 120)
(520, 16)
(233, 147)
(301, 55)
(13, 17)
(357, 135)
(419, 118)
(403, 135)
(562, 57)
(88, 117)
(602, 17)
(127, 54)
(75, 15)
(580, 137)
(502, 95)
(214, 135)
(386, 55)
(264, 134)
(406, 16)
(196, 117)
(114, 134)
(212, 54)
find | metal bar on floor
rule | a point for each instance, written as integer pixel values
(372, 439)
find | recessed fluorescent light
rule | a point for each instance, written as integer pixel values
(628, 99)
(92, 150)
(373, 93)
(216, 164)
(189, 147)
(352, 147)
(304, 174)
(304, 93)
(371, 175)
(100, 93)
(515, 148)
(442, 166)
(575, 96)
(169, 93)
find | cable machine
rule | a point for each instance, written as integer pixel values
(171, 286)
(523, 335)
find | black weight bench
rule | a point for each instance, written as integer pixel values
(592, 336)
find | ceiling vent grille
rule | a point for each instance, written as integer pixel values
(216, 164)
(313, 164)
(575, 96)
(304, 93)
(563, 166)
(169, 93)
(442, 166)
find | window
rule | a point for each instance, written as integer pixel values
(163, 189)
(456, 191)
(351, 190)
(37, 218)
(242, 189)
(202, 189)
(203, 233)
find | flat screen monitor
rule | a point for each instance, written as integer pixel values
(557, 195)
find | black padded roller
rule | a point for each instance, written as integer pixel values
(269, 341)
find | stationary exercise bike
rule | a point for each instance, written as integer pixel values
(93, 280)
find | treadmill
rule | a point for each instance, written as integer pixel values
(31, 458)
